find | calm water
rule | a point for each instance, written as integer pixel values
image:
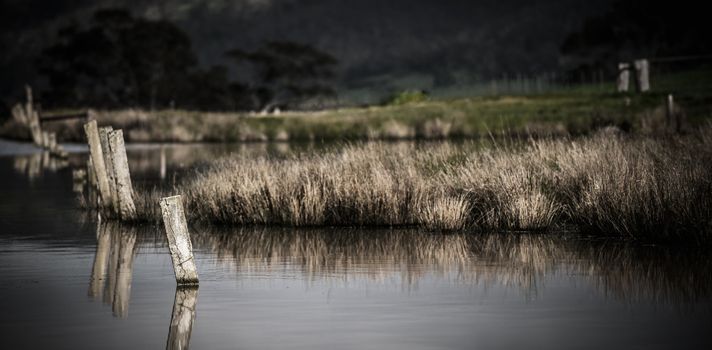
(71, 282)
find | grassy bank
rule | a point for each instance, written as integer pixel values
(564, 114)
(645, 188)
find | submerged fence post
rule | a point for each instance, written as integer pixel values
(120, 163)
(179, 240)
(110, 173)
(642, 75)
(97, 159)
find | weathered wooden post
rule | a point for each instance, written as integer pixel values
(45, 140)
(623, 82)
(18, 113)
(182, 317)
(52, 142)
(97, 160)
(32, 117)
(109, 164)
(162, 170)
(124, 189)
(642, 75)
(179, 241)
(670, 112)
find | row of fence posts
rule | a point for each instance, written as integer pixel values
(27, 115)
(674, 118)
(108, 172)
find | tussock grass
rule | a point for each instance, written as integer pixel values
(651, 189)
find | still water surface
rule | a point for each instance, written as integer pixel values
(72, 282)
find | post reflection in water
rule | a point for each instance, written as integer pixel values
(525, 263)
(113, 263)
(112, 274)
(182, 318)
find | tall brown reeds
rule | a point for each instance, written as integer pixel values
(657, 189)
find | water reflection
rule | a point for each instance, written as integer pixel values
(182, 318)
(113, 266)
(112, 273)
(620, 270)
(35, 164)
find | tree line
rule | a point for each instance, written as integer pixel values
(118, 61)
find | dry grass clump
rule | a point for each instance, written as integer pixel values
(645, 188)
(446, 213)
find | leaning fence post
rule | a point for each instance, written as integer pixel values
(642, 74)
(112, 201)
(97, 159)
(179, 240)
(124, 190)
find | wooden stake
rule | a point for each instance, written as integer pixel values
(623, 77)
(110, 173)
(642, 75)
(52, 142)
(45, 140)
(97, 160)
(124, 190)
(179, 241)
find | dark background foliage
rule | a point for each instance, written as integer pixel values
(159, 54)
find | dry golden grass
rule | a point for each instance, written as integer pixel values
(658, 189)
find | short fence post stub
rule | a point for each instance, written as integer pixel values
(97, 159)
(124, 189)
(179, 240)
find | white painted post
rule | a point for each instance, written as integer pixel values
(642, 74)
(97, 160)
(110, 173)
(179, 240)
(182, 318)
(623, 77)
(124, 190)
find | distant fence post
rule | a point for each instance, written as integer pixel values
(109, 164)
(124, 190)
(670, 112)
(623, 77)
(97, 160)
(642, 74)
(52, 142)
(45, 140)
(179, 240)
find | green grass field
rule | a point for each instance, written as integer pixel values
(570, 111)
